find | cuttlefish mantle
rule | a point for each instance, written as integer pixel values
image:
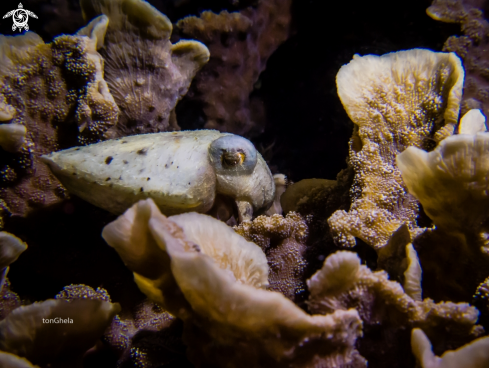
(181, 171)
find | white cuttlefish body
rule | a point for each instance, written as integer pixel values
(181, 171)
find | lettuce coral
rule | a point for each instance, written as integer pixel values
(56, 93)
(344, 283)
(473, 355)
(451, 184)
(32, 331)
(146, 334)
(240, 44)
(201, 271)
(146, 73)
(408, 98)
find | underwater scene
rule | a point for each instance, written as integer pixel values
(244, 183)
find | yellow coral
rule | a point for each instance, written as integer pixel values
(473, 355)
(408, 98)
(212, 279)
(451, 182)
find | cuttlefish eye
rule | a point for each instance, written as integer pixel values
(233, 158)
(232, 153)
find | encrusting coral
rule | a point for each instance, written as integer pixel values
(344, 283)
(201, 271)
(240, 44)
(56, 94)
(471, 47)
(146, 73)
(282, 239)
(407, 98)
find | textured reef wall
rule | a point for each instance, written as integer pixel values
(385, 266)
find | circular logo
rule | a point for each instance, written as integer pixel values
(20, 18)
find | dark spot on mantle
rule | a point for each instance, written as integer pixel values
(142, 189)
(142, 151)
(148, 179)
(125, 162)
(107, 179)
(108, 160)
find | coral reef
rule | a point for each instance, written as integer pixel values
(473, 355)
(145, 335)
(240, 44)
(279, 289)
(33, 332)
(450, 183)
(344, 283)
(472, 47)
(408, 98)
(221, 301)
(282, 239)
(146, 73)
(181, 171)
(48, 90)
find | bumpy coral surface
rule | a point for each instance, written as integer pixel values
(146, 73)
(145, 335)
(343, 283)
(283, 241)
(408, 98)
(472, 47)
(57, 93)
(204, 273)
(240, 44)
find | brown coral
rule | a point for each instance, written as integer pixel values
(472, 47)
(343, 283)
(57, 92)
(240, 44)
(146, 73)
(146, 334)
(283, 241)
(408, 98)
